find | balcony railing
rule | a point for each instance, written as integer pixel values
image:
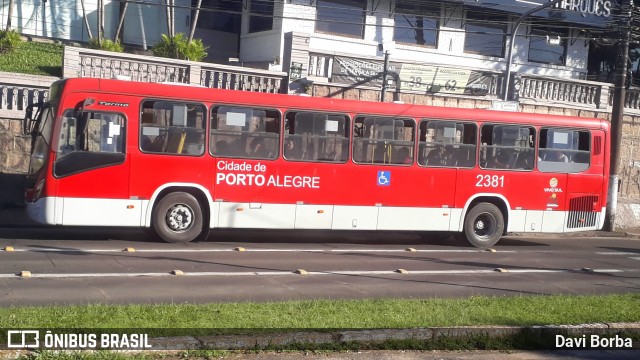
(16, 93)
(80, 62)
(579, 94)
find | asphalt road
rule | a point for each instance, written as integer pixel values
(79, 266)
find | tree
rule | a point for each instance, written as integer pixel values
(195, 20)
(116, 38)
(9, 15)
(170, 17)
(86, 22)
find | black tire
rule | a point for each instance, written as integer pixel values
(484, 225)
(177, 217)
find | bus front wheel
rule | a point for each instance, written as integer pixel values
(484, 225)
(178, 218)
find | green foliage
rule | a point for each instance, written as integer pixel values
(343, 314)
(105, 44)
(9, 40)
(35, 58)
(179, 47)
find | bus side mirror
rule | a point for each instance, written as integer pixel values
(26, 124)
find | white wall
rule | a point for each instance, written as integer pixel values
(58, 19)
(147, 28)
(263, 45)
(449, 51)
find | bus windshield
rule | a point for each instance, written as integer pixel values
(41, 138)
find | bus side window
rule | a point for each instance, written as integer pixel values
(507, 147)
(315, 136)
(447, 144)
(247, 132)
(377, 139)
(564, 150)
(169, 127)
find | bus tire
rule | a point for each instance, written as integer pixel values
(178, 218)
(484, 225)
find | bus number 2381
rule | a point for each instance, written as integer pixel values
(490, 181)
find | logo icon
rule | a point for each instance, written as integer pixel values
(384, 178)
(23, 339)
(553, 182)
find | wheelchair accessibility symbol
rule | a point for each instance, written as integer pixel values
(384, 178)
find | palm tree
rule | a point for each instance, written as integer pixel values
(86, 22)
(10, 14)
(195, 20)
(121, 21)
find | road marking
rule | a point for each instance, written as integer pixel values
(623, 253)
(90, 251)
(311, 273)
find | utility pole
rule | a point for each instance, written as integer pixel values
(617, 112)
(385, 72)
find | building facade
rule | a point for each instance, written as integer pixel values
(469, 34)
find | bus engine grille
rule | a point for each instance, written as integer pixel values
(581, 212)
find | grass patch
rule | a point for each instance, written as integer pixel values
(326, 314)
(34, 58)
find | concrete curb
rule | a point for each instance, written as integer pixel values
(543, 335)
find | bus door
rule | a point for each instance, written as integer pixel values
(577, 182)
(90, 164)
(585, 174)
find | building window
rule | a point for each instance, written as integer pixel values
(343, 17)
(261, 18)
(416, 23)
(485, 34)
(548, 45)
(219, 15)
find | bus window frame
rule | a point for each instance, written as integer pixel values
(172, 101)
(463, 122)
(120, 157)
(279, 134)
(364, 116)
(348, 129)
(536, 135)
(577, 129)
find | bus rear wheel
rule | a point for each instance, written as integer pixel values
(178, 218)
(484, 225)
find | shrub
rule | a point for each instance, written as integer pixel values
(107, 45)
(178, 47)
(9, 40)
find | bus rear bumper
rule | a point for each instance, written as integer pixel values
(42, 211)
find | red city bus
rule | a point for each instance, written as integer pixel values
(183, 160)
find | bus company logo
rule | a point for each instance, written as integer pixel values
(23, 339)
(111, 103)
(384, 178)
(553, 183)
(30, 339)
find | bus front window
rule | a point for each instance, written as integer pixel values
(41, 137)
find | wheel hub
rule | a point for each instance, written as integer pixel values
(179, 217)
(480, 225)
